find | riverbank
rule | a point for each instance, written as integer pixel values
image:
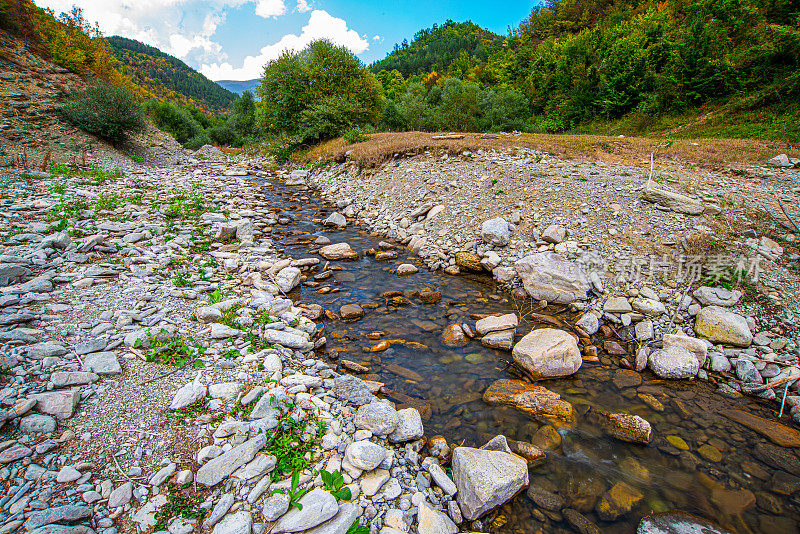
(226, 265)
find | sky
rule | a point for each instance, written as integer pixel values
(233, 39)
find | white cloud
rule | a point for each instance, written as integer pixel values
(303, 6)
(321, 25)
(270, 8)
(377, 38)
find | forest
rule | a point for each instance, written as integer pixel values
(163, 73)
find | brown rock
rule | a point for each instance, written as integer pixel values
(430, 297)
(776, 432)
(453, 336)
(531, 399)
(627, 427)
(469, 261)
(351, 312)
(618, 501)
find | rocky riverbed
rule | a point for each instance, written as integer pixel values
(178, 343)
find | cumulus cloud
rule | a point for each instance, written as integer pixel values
(270, 8)
(303, 6)
(321, 25)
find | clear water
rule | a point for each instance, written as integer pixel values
(738, 491)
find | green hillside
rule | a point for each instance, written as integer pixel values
(168, 77)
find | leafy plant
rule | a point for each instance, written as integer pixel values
(107, 202)
(355, 528)
(218, 295)
(286, 442)
(180, 281)
(176, 351)
(293, 492)
(178, 505)
(355, 135)
(106, 110)
(334, 483)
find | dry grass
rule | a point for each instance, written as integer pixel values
(712, 153)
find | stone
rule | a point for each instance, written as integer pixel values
(145, 516)
(617, 501)
(627, 427)
(378, 417)
(580, 522)
(774, 431)
(405, 269)
(365, 455)
(37, 423)
(62, 379)
(351, 312)
(318, 506)
(208, 315)
(340, 523)
(644, 330)
(287, 279)
(648, 306)
(287, 339)
(352, 389)
(335, 219)
(486, 479)
(698, 347)
(409, 426)
(189, 393)
(496, 232)
(532, 399)
(120, 496)
(554, 234)
(102, 363)
(672, 200)
(674, 362)
(60, 404)
(496, 323)
(275, 506)
(781, 160)
(439, 476)
(589, 323)
(678, 522)
(719, 325)
(617, 305)
(58, 514)
(504, 340)
(221, 331)
(221, 467)
(453, 336)
(15, 452)
(469, 261)
(432, 521)
(549, 276)
(338, 251)
(545, 499)
(548, 353)
(717, 296)
(40, 351)
(236, 523)
(225, 390)
(372, 482)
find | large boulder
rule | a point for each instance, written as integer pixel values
(627, 427)
(694, 345)
(722, 326)
(496, 232)
(534, 400)
(548, 353)
(551, 277)
(674, 362)
(486, 479)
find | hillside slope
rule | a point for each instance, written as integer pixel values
(33, 132)
(166, 76)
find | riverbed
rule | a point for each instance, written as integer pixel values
(698, 461)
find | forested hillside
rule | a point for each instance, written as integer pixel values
(448, 49)
(726, 67)
(239, 86)
(168, 77)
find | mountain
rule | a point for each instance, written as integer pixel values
(438, 47)
(240, 86)
(168, 77)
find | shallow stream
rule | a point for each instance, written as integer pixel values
(698, 460)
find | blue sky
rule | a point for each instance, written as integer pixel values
(232, 39)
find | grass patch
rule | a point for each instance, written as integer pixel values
(187, 205)
(67, 208)
(290, 443)
(95, 174)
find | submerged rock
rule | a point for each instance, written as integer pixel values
(677, 522)
(627, 427)
(618, 501)
(531, 399)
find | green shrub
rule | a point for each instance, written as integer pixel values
(355, 135)
(223, 135)
(331, 117)
(173, 119)
(107, 111)
(197, 141)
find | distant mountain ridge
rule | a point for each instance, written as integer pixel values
(168, 77)
(240, 86)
